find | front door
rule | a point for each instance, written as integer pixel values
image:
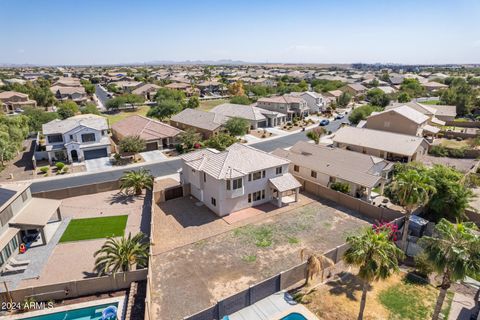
(74, 155)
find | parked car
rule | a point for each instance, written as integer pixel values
(339, 116)
(324, 122)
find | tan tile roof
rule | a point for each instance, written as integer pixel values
(86, 120)
(285, 182)
(148, 87)
(238, 160)
(148, 129)
(379, 140)
(347, 165)
(406, 112)
(9, 94)
(200, 119)
(282, 99)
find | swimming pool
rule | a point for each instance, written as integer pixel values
(294, 316)
(88, 313)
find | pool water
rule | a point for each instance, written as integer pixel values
(294, 316)
(89, 313)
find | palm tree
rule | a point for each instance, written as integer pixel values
(413, 188)
(136, 181)
(121, 254)
(454, 253)
(315, 265)
(375, 255)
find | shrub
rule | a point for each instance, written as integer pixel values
(59, 165)
(438, 151)
(456, 153)
(65, 169)
(422, 265)
(342, 187)
(44, 170)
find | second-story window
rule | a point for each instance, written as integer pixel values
(278, 170)
(296, 168)
(55, 138)
(71, 137)
(88, 137)
(234, 184)
(313, 174)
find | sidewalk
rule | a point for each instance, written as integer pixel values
(462, 307)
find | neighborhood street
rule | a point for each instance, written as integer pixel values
(161, 168)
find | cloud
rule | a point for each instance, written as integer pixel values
(21, 51)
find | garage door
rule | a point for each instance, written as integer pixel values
(94, 154)
(262, 124)
(173, 193)
(152, 146)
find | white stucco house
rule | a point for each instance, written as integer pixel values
(77, 138)
(315, 101)
(237, 178)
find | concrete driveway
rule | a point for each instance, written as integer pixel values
(99, 164)
(155, 155)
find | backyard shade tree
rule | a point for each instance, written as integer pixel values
(344, 99)
(132, 144)
(240, 100)
(412, 87)
(13, 130)
(237, 126)
(165, 109)
(90, 108)
(375, 255)
(404, 97)
(378, 98)
(361, 113)
(315, 134)
(454, 253)
(220, 141)
(189, 138)
(120, 101)
(122, 254)
(413, 188)
(67, 109)
(193, 102)
(136, 181)
(236, 89)
(37, 117)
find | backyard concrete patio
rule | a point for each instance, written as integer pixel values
(230, 257)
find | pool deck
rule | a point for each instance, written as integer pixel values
(274, 307)
(119, 300)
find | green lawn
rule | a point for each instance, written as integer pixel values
(95, 228)
(115, 117)
(431, 102)
(207, 105)
(403, 300)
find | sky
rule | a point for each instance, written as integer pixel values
(86, 32)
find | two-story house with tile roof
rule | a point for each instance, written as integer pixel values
(237, 178)
(77, 138)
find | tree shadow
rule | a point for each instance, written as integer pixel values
(25, 161)
(90, 274)
(123, 198)
(346, 285)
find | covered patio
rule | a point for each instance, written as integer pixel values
(284, 186)
(36, 216)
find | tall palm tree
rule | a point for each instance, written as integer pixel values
(375, 255)
(413, 188)
(136, 181)
(121, 254)
(454, 253)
